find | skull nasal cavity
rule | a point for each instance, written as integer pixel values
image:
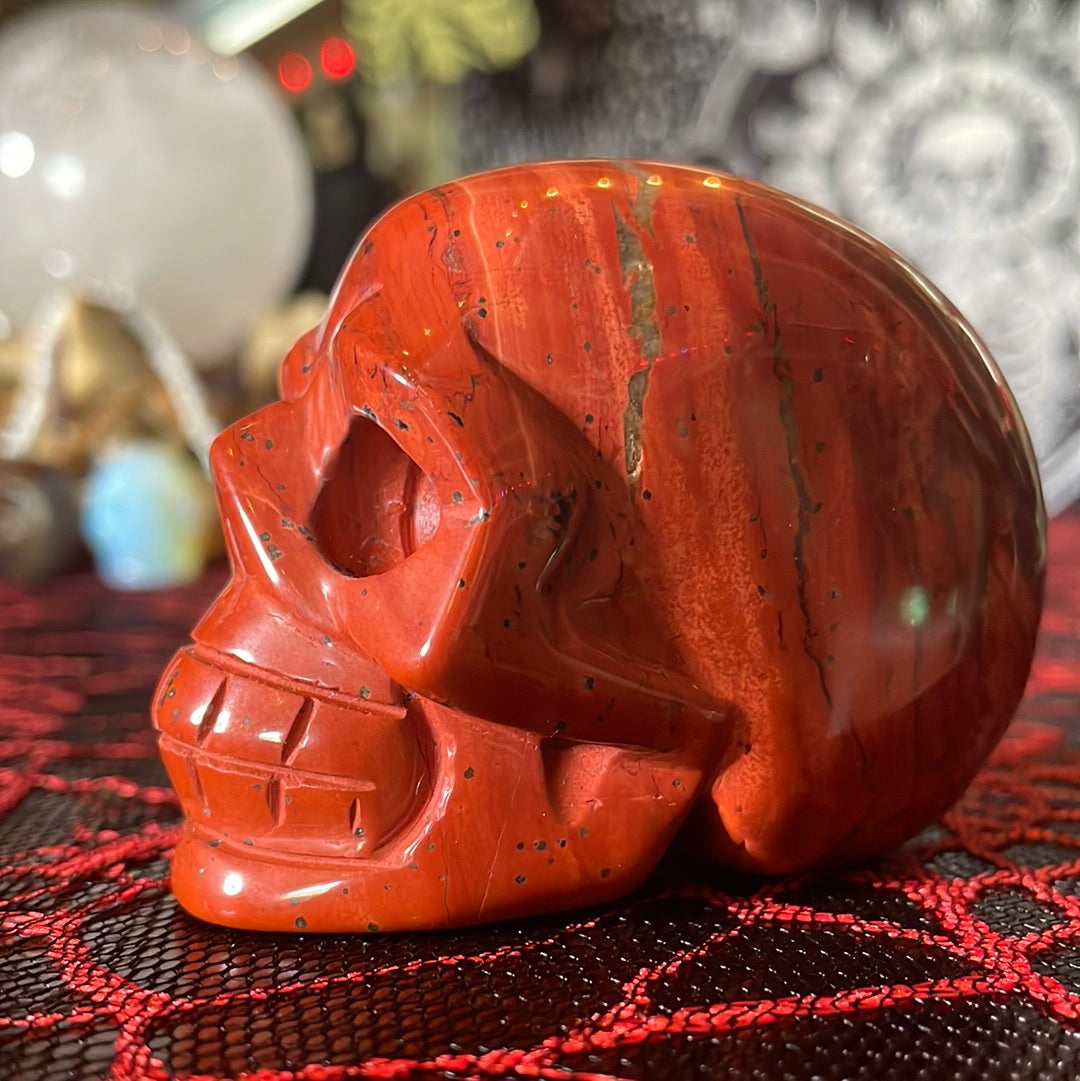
(377, 505)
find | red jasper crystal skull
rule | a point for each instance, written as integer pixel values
(609, 504)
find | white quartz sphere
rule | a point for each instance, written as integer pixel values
(135, 162)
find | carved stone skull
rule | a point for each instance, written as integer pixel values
(609, 504)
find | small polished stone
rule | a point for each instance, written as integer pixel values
(610, 505)
(39, 535)
(146, 516)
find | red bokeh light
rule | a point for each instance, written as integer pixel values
(294, 72)
(337, 59)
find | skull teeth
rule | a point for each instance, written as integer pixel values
(275, 807)
(211, 714)
(275, 801)
(297, 734)
(272, 765)
(356, 817)
(196, 781)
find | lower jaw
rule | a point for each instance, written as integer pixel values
(494, 847)
(508, 825)
(238, 886)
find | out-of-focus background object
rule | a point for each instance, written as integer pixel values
(210, 163)
(952, 132)
(135, 161)
(38, 522)
(167, 185)
(146, 515)
(88, 383)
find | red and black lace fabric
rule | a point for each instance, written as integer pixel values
(958, 957)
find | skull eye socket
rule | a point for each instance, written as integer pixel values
(376, 507)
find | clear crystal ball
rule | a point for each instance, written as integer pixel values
(135, 161)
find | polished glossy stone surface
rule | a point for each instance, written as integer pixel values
(146, 516)
(608, 504)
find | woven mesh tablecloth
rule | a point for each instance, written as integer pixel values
(958, 957)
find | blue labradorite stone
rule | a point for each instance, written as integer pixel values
(146, 512)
